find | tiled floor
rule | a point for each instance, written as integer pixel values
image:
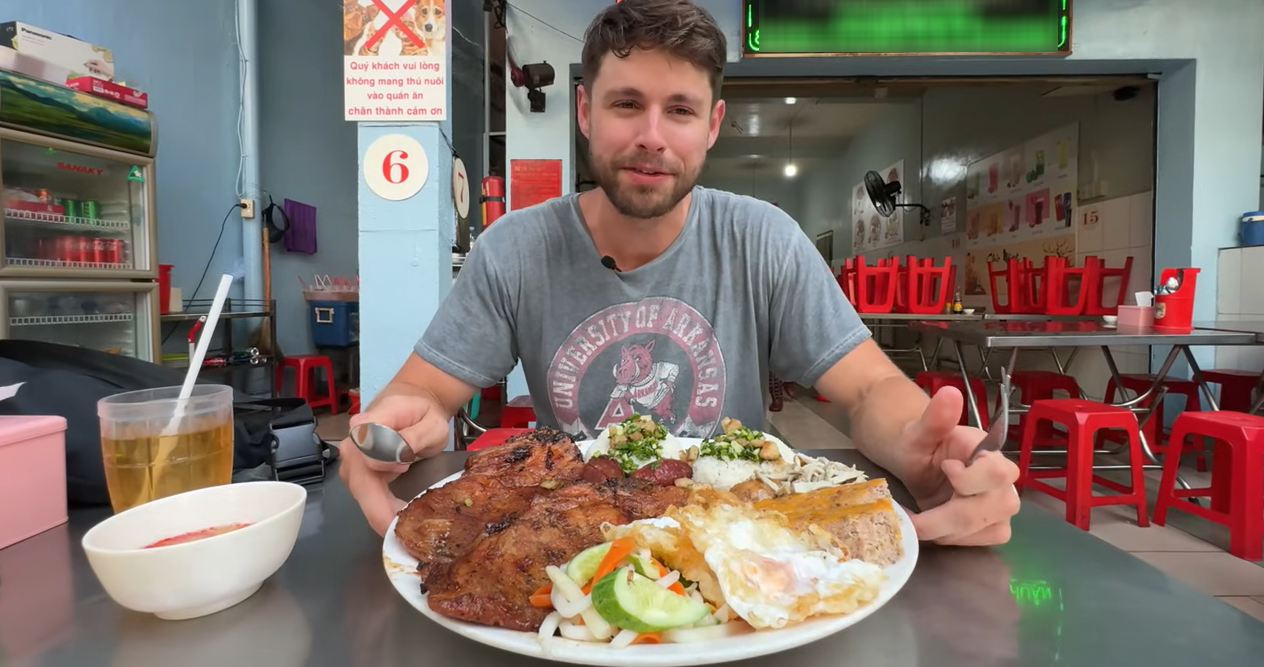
(1188, 548)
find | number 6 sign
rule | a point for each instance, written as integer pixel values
(395, 167)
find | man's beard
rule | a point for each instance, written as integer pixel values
(641, 202)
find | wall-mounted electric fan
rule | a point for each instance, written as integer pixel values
(884, 197)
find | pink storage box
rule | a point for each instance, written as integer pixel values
(32, 476)
(1135, 317)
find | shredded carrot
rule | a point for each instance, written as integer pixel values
(619, 549)
(541, 597)
(648, 638)
(676, 586)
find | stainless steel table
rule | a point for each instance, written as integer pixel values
(899, 322)
(1018, 334)
(1053, 596)
(1249, 326)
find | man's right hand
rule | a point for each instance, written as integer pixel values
(422, 423)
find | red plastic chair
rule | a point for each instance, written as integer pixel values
(1237, 478)
(1096, 303)
(1236, 387)
(1015, 285)
(875, 285)
(847, 279)
(1066, 287)
(932, 381)
(1083, 419)
(305, 383)
(928, 287)
(1035, 386)
(517, 413)
(1155, 437)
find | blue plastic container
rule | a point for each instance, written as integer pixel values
(335, 323)
(1252, 230)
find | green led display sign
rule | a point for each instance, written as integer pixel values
(905, 27)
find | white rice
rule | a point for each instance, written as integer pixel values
(601, 446)
(724, 475)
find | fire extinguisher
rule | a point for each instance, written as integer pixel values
(492, 199)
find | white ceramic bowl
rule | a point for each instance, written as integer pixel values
(204, 576)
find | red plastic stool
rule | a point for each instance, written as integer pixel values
(932, 381)
(875, 285)
(1083, 419)
(494, 436)
(1237, 478)
(354, 397)
(517, 413)
(1139, 383)
(305, 366)
(1068, 287)
(1035, 386)
(1236, 387)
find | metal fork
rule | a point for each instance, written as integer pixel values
(997, 434)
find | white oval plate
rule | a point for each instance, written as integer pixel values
(401, 568)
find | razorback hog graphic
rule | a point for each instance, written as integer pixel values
(644, 382)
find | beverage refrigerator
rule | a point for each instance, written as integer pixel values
(78, 246)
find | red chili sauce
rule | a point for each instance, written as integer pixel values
(195, 535)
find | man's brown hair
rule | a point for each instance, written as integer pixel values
(679, 27)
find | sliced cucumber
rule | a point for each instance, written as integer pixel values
(584, 565)
(633, 602)
(643, 566)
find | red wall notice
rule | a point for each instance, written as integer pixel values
(534, 181)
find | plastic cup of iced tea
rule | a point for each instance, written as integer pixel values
(153, 445)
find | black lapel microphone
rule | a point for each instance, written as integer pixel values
(608, 262)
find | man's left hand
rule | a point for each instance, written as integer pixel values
(959, 504)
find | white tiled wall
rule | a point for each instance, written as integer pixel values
(1240, 296)
(1124, 228)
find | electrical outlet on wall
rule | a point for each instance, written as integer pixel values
(247, 208)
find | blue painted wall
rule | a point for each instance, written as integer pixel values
(192, 79)
(307, 151)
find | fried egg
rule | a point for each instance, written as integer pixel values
(772, 576)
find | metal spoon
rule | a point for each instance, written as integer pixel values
(382, 443)
(996, 436)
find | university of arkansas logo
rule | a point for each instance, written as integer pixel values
(658, 356)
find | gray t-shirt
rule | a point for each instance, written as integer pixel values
(688, 338)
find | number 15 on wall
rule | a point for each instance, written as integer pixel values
(395, 167)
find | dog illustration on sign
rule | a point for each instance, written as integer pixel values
(414, 28)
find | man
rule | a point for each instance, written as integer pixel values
(652, 295)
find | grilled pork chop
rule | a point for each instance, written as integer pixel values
(498, 484)
(493, 582)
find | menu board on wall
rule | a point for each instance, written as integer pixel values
(870, 229)
(1020, 203)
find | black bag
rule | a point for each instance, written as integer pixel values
(68, 381)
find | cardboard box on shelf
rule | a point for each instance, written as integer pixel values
(80, 57)
(36, 68)
(110, 90)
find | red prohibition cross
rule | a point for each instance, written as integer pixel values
(394, 18)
